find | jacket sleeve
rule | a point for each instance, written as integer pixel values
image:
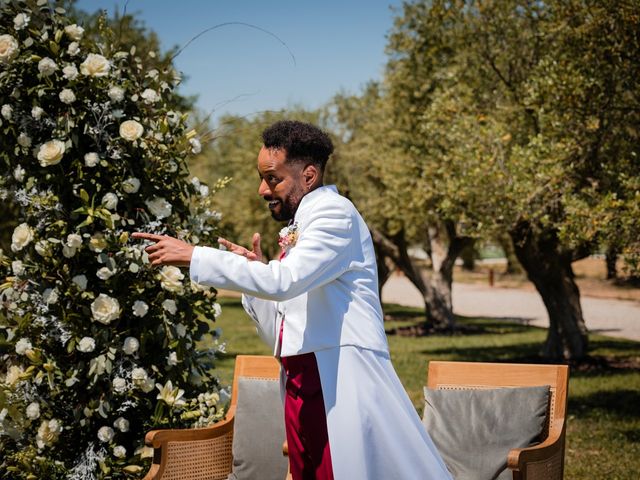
(265, 315)
(322, 253)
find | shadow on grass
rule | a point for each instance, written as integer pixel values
(521, 353)
(622, 404)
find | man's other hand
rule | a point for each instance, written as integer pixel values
(255, 254)
(166, 250)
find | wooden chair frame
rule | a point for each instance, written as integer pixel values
(199, 453)
(544, 461)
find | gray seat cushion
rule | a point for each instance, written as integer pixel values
(258, 432)
(475, 429)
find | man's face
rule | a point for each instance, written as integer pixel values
(281, 183)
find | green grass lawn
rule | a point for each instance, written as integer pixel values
(603, 433)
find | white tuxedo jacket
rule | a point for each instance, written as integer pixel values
(326, 288)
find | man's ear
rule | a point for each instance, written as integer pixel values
(311, 175)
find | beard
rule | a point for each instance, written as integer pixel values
(287, 206)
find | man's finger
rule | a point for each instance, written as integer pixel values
(256, 245)
(225, 242)
(147, 236)
(153, 248)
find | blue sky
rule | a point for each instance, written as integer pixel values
(337, 46)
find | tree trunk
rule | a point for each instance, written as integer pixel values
(385, 251)
(468, 256)
(611, 258)
(549, 268)
(513, 266)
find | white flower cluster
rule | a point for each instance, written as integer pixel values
(98, 150)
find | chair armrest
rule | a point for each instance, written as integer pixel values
(156, 438)
(548, 453)
(159, 440)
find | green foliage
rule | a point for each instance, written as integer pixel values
(523, 111)
(96, 348)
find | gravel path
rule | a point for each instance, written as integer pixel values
(617, 318)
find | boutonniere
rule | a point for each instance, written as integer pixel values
(288, 237)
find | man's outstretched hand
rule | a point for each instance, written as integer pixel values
(166, 250)
(255, 254)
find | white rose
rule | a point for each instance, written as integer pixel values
(86, 345)
(91, 159)
(139, 376)
(67, 96)
(20, 21)
(73, 49)
(196, 146)
(50, 153)
(150, 96)
(173, 118)
(74, 32)
(172, 359)
(23, 346)
(171, 279)
(18, 173)
(80, 281)
(130, 346)
(140, 308)
(22, 236)
(170, 306)
(110, 201)
(148, 385)
(217, 310)
(17, 267)
(74, 240)
(46, 66)
(24, 140)
(119, 451)
(70, 72)
(8, 48)
(48, 433)
(13, 375)
(6, 111)
(105, 434)
(116, 94)
(159, 207)
(50, 296)
(95, 65)
(172, 166)
(33, 411)
(121, 424)
(105, 273)
(131, 185)
(119, 385)
(105, 309)
(36, 112)
(131, 130)
(97, 243)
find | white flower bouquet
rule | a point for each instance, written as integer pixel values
(96, 348)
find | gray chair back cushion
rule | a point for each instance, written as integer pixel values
(475, 429)
(258, 432)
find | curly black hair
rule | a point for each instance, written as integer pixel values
(303, 142)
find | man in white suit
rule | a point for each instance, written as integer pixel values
(347, 415)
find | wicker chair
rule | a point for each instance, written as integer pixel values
(204, 453)
(544, 461)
